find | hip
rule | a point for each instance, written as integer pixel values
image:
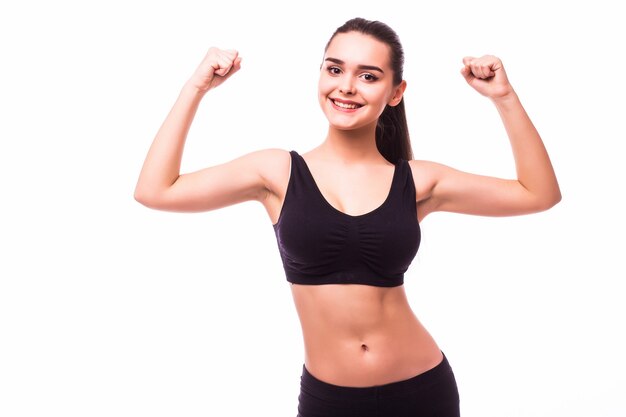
(431, 393)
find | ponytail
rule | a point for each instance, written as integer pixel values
(392, 134)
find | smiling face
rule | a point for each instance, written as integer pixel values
(356, 81)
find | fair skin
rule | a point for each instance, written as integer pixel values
(355, 335)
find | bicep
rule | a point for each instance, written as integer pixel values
(241, 179)
(457, 191)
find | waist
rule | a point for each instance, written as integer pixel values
(357, 335)
(350, 310)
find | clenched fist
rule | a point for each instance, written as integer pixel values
(486, 75)
(216, 67)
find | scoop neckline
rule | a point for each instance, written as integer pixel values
(354, 216)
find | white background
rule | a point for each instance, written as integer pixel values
(108, 308)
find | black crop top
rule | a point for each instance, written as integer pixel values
(319, 244)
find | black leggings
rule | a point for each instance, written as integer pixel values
(430, 394)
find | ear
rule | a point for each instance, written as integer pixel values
(398, 92)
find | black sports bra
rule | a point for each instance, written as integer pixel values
(319, 244)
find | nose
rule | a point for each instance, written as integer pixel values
(346, 86)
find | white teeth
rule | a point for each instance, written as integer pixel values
(346, 105)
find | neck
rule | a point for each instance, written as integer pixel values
(352, 146)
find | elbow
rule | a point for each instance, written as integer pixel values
(154, 199)
(557, 198)
(145, 198)
(549, 201)
(141, 198)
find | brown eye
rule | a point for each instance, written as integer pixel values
(333, 70)
(370, 77)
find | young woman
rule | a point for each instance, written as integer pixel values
(346, 216)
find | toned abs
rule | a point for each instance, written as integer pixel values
(359, 335)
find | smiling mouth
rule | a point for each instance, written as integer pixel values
(349, 106)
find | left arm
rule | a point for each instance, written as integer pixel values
(536, 187)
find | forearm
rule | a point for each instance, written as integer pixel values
(533, 165)
(161, 167)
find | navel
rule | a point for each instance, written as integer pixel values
(364, 347)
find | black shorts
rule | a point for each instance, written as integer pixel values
(432, 393)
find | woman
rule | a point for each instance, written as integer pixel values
(346, 216)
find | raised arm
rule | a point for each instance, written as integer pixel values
(536, 187)
(160, 184)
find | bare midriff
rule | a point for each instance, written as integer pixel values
(362, 336)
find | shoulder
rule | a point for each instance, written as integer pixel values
(264, 167)
(273, 164)
(266, 159)
(425, 174)
(270, 156)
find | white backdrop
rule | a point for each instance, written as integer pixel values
(108, 308)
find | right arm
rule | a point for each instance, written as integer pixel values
(160, 184)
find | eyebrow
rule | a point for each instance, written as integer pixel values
(365, 67)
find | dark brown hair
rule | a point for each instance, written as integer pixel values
(392, 131)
